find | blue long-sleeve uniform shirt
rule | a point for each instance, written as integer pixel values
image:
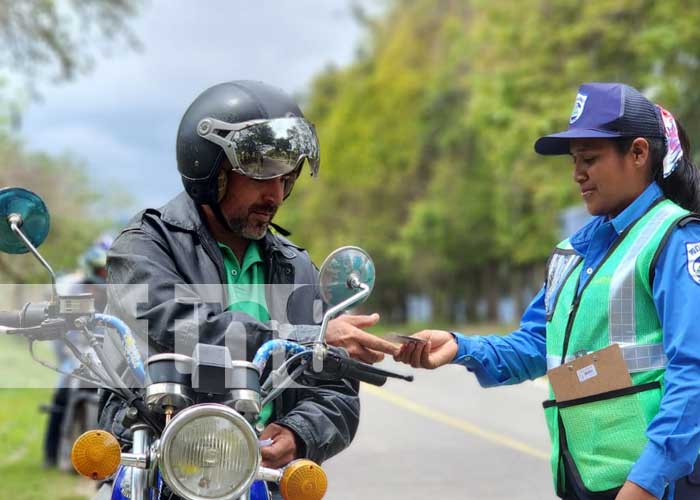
(674, 434)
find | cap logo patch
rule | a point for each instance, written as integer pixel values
(693, 250)
(578, 107)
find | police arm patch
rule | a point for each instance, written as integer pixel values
(693, 253)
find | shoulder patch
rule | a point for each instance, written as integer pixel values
(693, 252)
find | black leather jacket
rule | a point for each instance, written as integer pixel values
(171, 249)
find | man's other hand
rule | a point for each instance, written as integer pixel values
(283, 448)
(346, 331)
(439, 349)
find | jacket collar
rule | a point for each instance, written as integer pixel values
(182, 213)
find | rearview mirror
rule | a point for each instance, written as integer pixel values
(29, 213)
(343, 273)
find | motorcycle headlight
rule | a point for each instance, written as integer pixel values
(208, 452)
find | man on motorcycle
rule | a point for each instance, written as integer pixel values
(240, 147)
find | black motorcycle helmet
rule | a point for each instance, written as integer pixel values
(258, 127)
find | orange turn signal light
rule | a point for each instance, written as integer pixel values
(303, 480)
(96, 454)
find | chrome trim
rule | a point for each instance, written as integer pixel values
(134, 460)
(139, 477)
(245, 401)
(161, 395)
(193, 413)
(269, 475)
(171, 356)
(244, 364)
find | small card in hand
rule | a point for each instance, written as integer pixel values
(397, 338)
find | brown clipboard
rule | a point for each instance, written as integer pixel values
(595, 373)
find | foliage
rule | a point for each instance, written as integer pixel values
(58, 38)
(62, 184)
(427, 137)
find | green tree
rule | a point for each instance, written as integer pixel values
(427, 137)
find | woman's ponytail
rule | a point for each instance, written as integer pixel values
(682, 186)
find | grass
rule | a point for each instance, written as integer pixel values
(22, 476)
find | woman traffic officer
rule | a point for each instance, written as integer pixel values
(630, 277)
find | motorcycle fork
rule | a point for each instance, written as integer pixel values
(139, 477)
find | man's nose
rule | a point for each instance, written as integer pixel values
(273, 190)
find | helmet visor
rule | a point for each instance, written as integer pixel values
(265, 149)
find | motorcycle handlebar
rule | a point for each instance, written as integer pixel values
(363, 373)
(32, 314)
(10, 319)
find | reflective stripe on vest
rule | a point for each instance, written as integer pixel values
(621, 304)
(621, 318)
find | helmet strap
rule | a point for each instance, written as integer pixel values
(220, 216)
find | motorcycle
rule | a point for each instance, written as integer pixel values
(191, 418)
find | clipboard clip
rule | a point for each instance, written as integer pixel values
(580, 354)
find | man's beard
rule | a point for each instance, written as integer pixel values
(244, 227)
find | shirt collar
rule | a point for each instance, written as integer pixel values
(581, 238)
(637, 208)
(251, 257)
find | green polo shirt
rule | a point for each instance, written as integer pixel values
(245, 282)
(246, 292)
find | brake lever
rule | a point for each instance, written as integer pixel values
(50, 329)
(377, 371)
(342, 361)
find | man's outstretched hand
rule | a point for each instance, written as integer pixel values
(346, 331)
(439, 349)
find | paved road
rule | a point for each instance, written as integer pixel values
(444, 437)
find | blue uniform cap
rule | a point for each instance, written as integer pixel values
(605, 110)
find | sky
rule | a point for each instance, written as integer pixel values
(121, 119)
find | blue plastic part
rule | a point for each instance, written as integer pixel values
(35, 219)
(259, 491)
(117, 484)
(133, 357)
(268, 348)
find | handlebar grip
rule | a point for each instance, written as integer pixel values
(10, 319)
(357, 371)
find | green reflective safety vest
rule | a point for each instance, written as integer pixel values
(601, 437)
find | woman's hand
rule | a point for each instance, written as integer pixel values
(630, 491)
(439, 349)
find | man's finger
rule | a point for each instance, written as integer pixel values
(369, 341)
(369, 356)
(360, 320)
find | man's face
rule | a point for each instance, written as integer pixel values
(249, 205)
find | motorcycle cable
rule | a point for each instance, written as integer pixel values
(56, 369)
(291, 378)
(282, 370)
(129, 396)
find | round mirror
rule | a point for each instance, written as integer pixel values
(35, 219)
(340, 269)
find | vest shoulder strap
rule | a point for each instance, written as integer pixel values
(682, 222)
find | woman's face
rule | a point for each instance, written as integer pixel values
(609, 181)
